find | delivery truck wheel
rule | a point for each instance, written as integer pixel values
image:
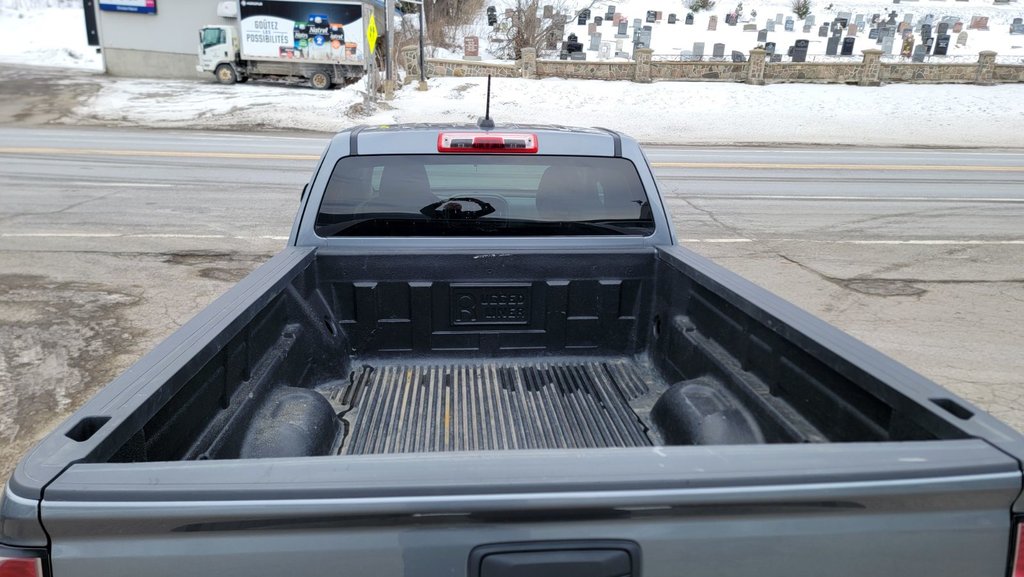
(321, 80)
(226, 74)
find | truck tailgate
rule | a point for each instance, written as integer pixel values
(935, 508)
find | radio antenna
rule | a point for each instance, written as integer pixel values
(486, 121)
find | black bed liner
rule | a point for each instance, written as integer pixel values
(477, 405)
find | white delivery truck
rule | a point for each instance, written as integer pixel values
(323, 42)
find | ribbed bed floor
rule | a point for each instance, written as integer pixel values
(397, 408)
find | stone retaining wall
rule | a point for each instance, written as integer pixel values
(869, 72)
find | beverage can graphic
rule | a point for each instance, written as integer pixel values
(337, 41)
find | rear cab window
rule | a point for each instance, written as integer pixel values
(420, 195)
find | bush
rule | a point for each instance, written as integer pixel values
(802, 8)
(698, 5)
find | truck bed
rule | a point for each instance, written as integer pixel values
(473, 406)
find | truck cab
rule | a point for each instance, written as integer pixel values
(218, 52)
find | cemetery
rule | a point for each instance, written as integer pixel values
(856, 42)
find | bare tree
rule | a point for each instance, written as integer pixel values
(524, 26)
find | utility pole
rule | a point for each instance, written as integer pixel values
(389, 37)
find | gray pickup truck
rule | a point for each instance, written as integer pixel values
(483, 355)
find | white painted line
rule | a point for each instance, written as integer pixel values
(987, 199)
(121, 184)
(134, 235)
(920, 242)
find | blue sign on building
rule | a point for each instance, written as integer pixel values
(137, 6)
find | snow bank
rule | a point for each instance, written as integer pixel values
(662, 112)
(45, 33)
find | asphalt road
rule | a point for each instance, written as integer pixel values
(110, 239)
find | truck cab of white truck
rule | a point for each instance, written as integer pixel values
(218, 53)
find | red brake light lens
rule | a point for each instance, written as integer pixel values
(478, 142)
(21, 567)
(1018, 553)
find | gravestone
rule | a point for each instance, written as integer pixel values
(799, 50)
(790, 51)
(853, 29)
(892, 18)
(943, 28)
(978, 23)
(738, 56)
(920, 51)
(582, 18)
(926, 31)
(810, 19)
(549, 10)
(622, 30)
(837, 30)
(823, 31)
(873, 34)
(762, 35)
(492, 16)
(573, 44)
(859, 20)
(621, 54)
(958, 27)
(887, 45)
(610, 12)
(807, 28)
(598, 20)
(657, 16)
(698, 50)
(908, 32)
(637, 23)
(903, 27)
(941, 45)
(730, 19)
(651, 16)
(875, 19)
(845, 16)
(750, 27)
(1017, 27)
(840, 23)
(645, 38)
(718, 50)
(689, 19)
(779, 18)
(563, 55)
(616, 18)
(595, 41)
(618, 44)
(769, 48)
(961, 39)
(671, 18)
(591, 28)
(848, 46)
(908, 47)
(789, 25)
(770, 26)
(776, 58)
(832, 48)
(606, 51)
(713, 23)
(929, 20)
(909, 19)
(928, 44)
(471, 48)
(577, 56)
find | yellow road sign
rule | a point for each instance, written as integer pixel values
(371, 34)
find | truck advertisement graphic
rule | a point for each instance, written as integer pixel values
(303, 31)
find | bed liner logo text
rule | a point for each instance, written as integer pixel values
(490, 305)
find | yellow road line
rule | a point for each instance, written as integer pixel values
(891, 167)
(154, 153)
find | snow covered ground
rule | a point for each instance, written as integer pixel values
(34, 33)
(662, 112)
(673, 39)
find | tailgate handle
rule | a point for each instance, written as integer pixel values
(557, 559)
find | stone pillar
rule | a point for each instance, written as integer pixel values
(871, 68)
(986, 68)
(755, 66)
(411, 63)
(642, 66)
(529, 62)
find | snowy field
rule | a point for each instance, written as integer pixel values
(663, 112)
